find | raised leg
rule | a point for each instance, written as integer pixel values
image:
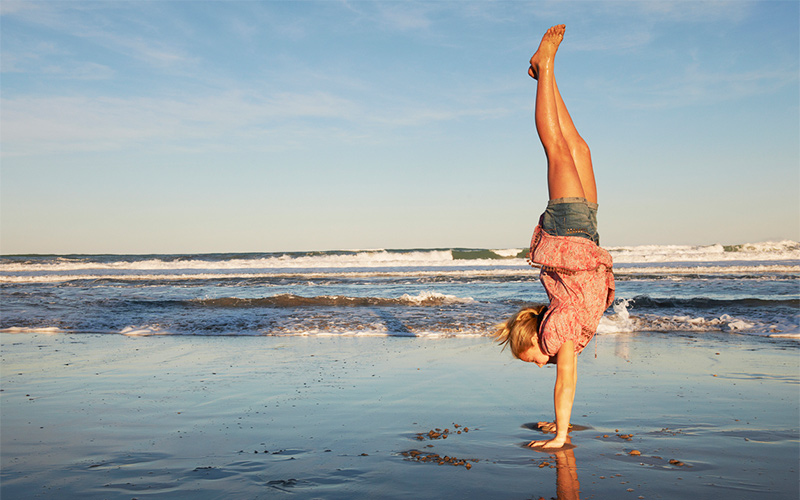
(569, 161)
(581, 155)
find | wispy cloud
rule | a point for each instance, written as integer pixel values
(394, 16)
(33, 125)
(80, 71)
(698, 86)
(233, 120)
(14, 6)
(28, 55)
(693, 11)
(404, 16)
(602, 41)
(100, 24)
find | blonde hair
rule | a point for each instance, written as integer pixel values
(521, 330)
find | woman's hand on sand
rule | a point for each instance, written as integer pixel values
(549, 444)
(547, 427)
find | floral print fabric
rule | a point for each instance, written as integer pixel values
(578, 278)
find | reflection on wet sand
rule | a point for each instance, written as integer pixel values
(567, 484)
(622, 347)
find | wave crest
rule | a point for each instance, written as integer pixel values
(32, 265)
(768, 250)
(423, 299)
(622, 321)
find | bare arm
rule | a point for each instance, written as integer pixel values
(563, 394)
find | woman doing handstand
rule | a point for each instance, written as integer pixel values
(575, 271)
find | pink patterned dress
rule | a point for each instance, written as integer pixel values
(578, 278)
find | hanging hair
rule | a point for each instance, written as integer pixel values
(521, 330)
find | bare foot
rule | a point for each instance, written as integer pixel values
(546, 52)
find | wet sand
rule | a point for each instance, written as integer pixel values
(656, 416)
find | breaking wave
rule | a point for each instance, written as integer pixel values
(424, 299)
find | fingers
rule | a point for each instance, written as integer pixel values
(546, 445)
(547, 426)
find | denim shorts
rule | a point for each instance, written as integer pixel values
(571, 217)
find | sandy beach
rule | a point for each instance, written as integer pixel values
(665, 416)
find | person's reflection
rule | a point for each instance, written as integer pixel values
(567, 484)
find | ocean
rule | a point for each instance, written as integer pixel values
(748, 289)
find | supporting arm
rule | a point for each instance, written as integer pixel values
(563, 394)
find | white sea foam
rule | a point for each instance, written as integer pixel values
(721, 268)
(746, 289)
(370, 330)
(57, 278)
(142, 330)
(423, 297)
(19, 329)
(769, 251)
(380, 258)
(775, 252)
(621, 321)
(514, 267)
(508, 252)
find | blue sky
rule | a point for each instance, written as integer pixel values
(181, 126)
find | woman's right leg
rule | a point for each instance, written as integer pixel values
(581, 155)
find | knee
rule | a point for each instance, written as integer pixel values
(580, 149)
(560, 153)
